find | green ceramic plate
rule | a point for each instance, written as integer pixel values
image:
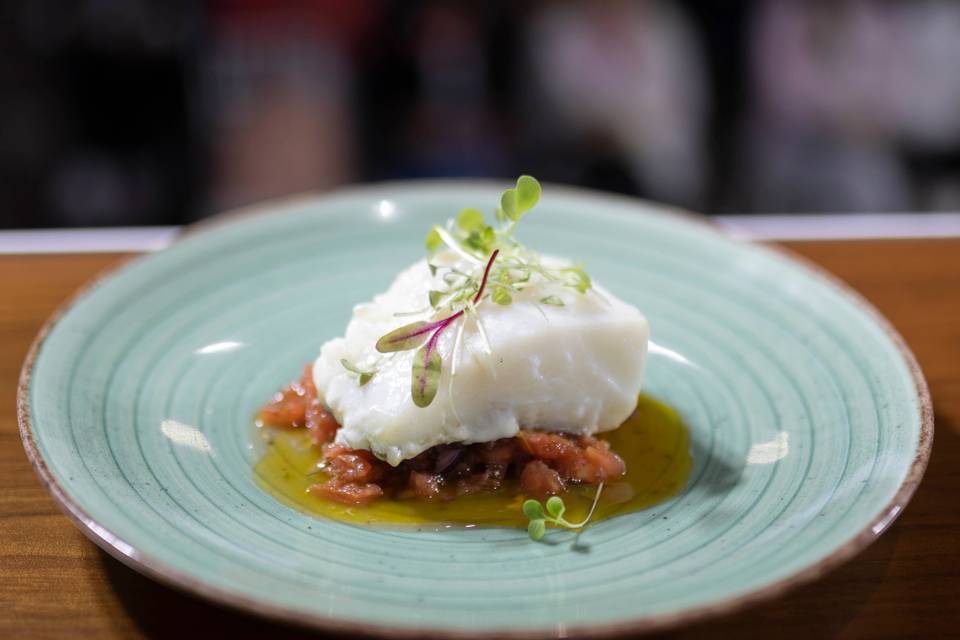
(810, 422)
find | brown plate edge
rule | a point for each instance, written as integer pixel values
(158, 570)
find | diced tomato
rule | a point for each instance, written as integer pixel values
(606, 464)
(547, 446)
(539, 480)
(499, 452)
(544, 462)
(321, 423)
(289, 408)
(354, 493)
(351, 467)
(425, 485)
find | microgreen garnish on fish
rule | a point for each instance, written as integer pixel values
(553, 514)
(472, 262)
(426, 371)
(427, 363)
(409, 336)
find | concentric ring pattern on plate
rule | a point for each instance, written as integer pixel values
(804, 414)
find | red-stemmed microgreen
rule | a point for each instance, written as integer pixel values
(488, 264)
(555, 509)
(427, 363)
(427, 366)
(409, 336)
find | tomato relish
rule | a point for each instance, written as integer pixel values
(543, 463)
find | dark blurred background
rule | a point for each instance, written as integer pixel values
(162, 112)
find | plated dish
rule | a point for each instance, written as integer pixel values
(806, 421)
(486, 368)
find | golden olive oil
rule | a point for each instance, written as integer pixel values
(653, 442)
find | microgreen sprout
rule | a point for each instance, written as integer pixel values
(363, 377)
(427, 363)
(492, 266)
(553, 514)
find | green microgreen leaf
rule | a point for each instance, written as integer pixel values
(482, 239)
(578, 279)
(488, 236)
(436, 297)
(363, 377)
(508, 202)
(432, 267)
(536, 529)
(555, 506)
(528, 193)
(501, 295)
(425, 374)
(433, 241)
(552, 300)
(470, 219)
(533, 509)
(455, 241)
(409, 336)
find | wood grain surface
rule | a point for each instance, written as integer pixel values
(54, 583)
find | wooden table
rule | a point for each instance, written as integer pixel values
(54, 583)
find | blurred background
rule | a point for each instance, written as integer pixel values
(161, 112)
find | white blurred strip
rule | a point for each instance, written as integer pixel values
(103, 240)
(756, 227)
(843, 226)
